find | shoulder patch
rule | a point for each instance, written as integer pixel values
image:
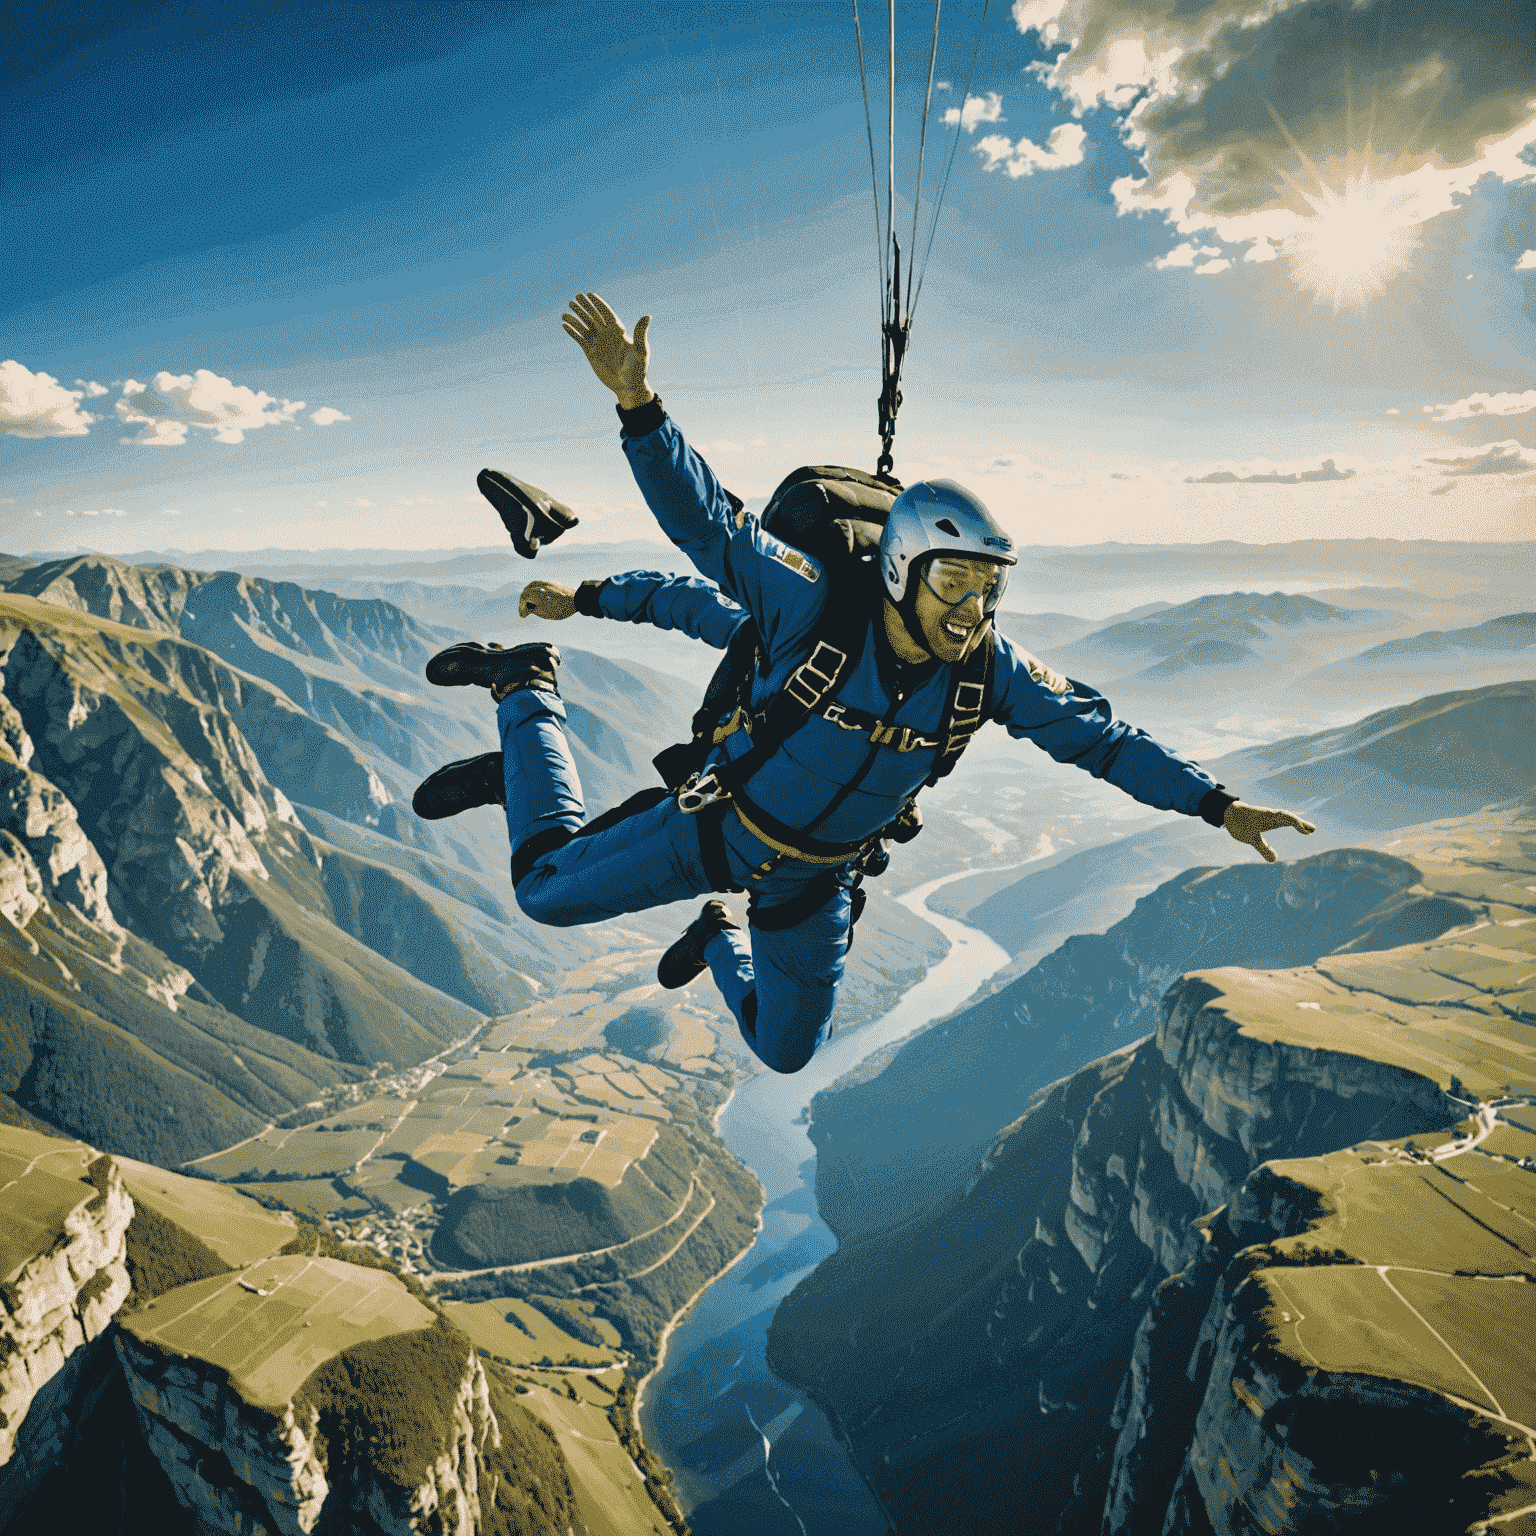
(801, 565)
(1044, 674)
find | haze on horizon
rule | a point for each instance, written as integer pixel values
(1197, 277)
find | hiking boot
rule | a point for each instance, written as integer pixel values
(461, 787)
(533, 517)
(686, 959)
(499, 668)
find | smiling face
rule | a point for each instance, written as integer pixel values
(949, 629)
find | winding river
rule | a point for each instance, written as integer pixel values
(751, 1456)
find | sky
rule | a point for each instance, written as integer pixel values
(291, 275)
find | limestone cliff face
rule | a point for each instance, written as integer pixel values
(250, 1471)
(57, 1299)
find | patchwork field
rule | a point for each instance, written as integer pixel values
(271, 1325)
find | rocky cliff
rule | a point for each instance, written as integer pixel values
(931, 1106)
(62, 1276)
(1061, 1299)
(147, 1381)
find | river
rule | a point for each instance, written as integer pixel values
(751, 1456)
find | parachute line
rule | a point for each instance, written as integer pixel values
(874, 185)
(959, 129)
(933, 54)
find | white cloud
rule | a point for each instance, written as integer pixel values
(326, 415)
(1527, 262)
(174, 403)
(942, 85)
(1260, 250)
(37, 405)
(1023, 158)
(170, 511)
(1206, 268)
(1484, 405)
(1392, 410)
(322, 503)
(977, 109)
(1184, 255)
(362, 501)
(1506, 458)
(96, 512)
(91, 389)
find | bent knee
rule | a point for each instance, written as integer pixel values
(784, 1059)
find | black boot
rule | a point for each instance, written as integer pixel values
(531, 516)
(686, 959)
(496, 667)
(461, 787)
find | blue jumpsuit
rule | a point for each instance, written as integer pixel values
(826, 780)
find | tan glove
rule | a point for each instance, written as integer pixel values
(616, 359)
(1249, 823)
(546, 600)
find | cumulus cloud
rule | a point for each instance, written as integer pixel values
(362, 501)
(1527, 262)
(1506, 458)
(1024, 158)
(1242, 115)
(95, 512)
(1327, 470)
(204, 399)
(1208, 267)
(326, 415)
(977, 109)
(91, 389)
(1484, 405)
(37, 405)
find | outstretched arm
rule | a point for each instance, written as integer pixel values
(684, 603)
(1075, 724)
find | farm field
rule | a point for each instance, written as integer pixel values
(610, 1489)
(44, 1181)
(532, 1337)
(273, 1324)
(234, 1226)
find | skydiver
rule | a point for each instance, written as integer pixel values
(789, 812)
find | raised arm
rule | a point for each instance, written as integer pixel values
(781, 588)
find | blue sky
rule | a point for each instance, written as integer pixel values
(1144, 318)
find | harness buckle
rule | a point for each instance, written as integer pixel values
(699, 794)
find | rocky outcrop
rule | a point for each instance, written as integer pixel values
(296, 1469)
(68, 1215)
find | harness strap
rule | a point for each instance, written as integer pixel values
(711, 824)
(812, 897)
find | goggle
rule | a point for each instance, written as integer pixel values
(953, 580)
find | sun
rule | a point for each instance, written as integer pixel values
(1353, 243)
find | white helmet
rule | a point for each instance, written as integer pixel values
(938, 517)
